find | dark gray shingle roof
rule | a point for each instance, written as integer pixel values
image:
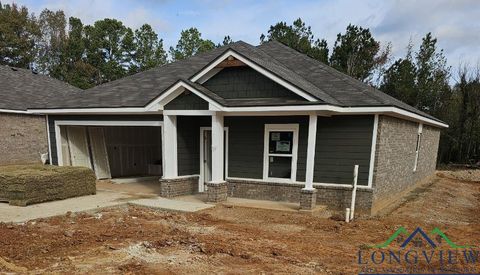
(21, 89)
(322, 82)
(348, 91)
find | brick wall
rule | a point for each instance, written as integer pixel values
(178, 187)
(395, 158)
(22, 138)
(334, 197)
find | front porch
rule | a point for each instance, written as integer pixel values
(220, 149)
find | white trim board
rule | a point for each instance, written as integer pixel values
(257, 68)
(109, 123)
(13, 111)
(333, 110)
(48, 140)
(111, 110)
(267, 110)
(372, 151)
(173, 92)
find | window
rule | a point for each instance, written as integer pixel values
(280, 155)
(417, 146)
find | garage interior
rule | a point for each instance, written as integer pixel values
(114, 151)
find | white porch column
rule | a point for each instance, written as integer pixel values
(312, 137)
(170, 146)
(217, 148)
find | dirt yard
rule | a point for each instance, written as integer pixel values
(234, 240)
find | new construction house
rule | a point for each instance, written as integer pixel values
(261, 122)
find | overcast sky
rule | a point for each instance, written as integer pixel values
(455, 23)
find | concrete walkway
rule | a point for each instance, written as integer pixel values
(172, 205)
(18, 214)
(103, 199)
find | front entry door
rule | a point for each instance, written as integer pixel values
(206, 157)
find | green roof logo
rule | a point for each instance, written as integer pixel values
(419, 232)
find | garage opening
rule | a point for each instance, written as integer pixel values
(113, 151)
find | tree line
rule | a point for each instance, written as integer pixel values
(89, 55)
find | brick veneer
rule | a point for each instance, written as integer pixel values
(308, 199)
(334, 197)
(395, 157)
(178, 186)
(217, 192)
(22, 138)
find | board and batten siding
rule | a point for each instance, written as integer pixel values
(342, 142)
(245, 82)
(53, 118)
(187, 101)
(188, 143)
(246, 144)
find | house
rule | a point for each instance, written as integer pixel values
(260, 122)
(23, 136)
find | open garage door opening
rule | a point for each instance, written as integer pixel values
(113, 151)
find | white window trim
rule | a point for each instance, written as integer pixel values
(418, 145)
(281, 128)
(201, 181)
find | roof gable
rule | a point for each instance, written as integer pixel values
(242, 82)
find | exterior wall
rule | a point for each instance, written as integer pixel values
(245, 82)
(395, 157)
(178, 187)
(246, 142)
(342, 142)
(335, 198)
(187, 101)
(22, 138)
(51, 125)
(188, 143)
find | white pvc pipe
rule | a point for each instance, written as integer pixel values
(347, 214)
(354, 192)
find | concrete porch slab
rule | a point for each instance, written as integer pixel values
(320, 210)
(171, 204)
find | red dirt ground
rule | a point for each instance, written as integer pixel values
(234, 240)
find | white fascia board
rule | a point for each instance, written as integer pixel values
(120, 110)
(176, 90)
(107, 123)
(189, 113)
(13, 111)
(338, 110)
(257, 68)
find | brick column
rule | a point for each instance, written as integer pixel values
(308, 199)
(217, 192)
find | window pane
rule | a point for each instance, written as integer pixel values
(280, 142)
(280, 167)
